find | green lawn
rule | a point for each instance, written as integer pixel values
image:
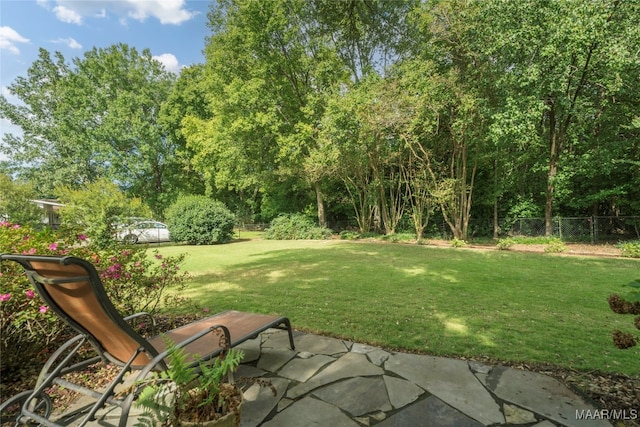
(504, 305)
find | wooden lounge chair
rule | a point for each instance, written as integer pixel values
(72, 288)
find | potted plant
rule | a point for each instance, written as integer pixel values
(187, 396)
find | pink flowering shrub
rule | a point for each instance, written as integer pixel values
(133, 280)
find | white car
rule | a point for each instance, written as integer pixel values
(145, 232)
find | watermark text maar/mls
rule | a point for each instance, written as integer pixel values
(608, 414)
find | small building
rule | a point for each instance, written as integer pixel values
(51, 211)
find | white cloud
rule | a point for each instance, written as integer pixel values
(166, 11)
(74, 11)
(68, 15)
(169, 61)
(9, 38)
(70, 42)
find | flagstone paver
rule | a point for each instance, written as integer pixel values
(358, 396)
(273, 359)
(451, 381)
(515, 415)
(429, 412)
(540, 394)
(401, 392)
(302, 369)
(348, 366)
(259, 401)
(310, 411)
(321, 345)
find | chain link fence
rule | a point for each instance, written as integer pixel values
(594, 229)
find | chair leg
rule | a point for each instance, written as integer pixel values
(11, 409)
(110, 389)
(288, 325)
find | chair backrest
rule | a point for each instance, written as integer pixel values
(72, 288)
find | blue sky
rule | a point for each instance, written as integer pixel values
(174, 31)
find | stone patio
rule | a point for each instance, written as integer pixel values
(331, 382)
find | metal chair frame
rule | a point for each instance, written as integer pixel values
(56, 279)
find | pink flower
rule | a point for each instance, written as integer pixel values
(158, 256)
(31, 294)
(43, 309)
(114, 271)
(16, 226)
(5, 297)
(53, 246)
(82, 237)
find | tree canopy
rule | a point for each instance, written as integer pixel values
(379, 113)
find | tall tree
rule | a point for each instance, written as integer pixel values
(453, 82)
(276, 63)
(269, 69)
(41, 146)
(96, 119)
(188, 99)
(566, 57)
(368, 35)
(363, 132)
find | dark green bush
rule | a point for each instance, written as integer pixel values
(295, 227)
(199, 220)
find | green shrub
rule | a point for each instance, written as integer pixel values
(505, 244)
(533, 240)
(349, 235)
(133, 281)
(630, 249)
(399, 237)
(295, 227)
(458, 243)
(555, 245)
(199, 220)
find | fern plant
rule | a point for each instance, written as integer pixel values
(186, 393)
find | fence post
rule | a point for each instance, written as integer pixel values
(559, 227)
(592, 230)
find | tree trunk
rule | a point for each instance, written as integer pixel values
(322, 216)
(553, 169)
(496, 225)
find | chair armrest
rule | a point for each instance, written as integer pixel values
(159, 359)
(147, 315)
